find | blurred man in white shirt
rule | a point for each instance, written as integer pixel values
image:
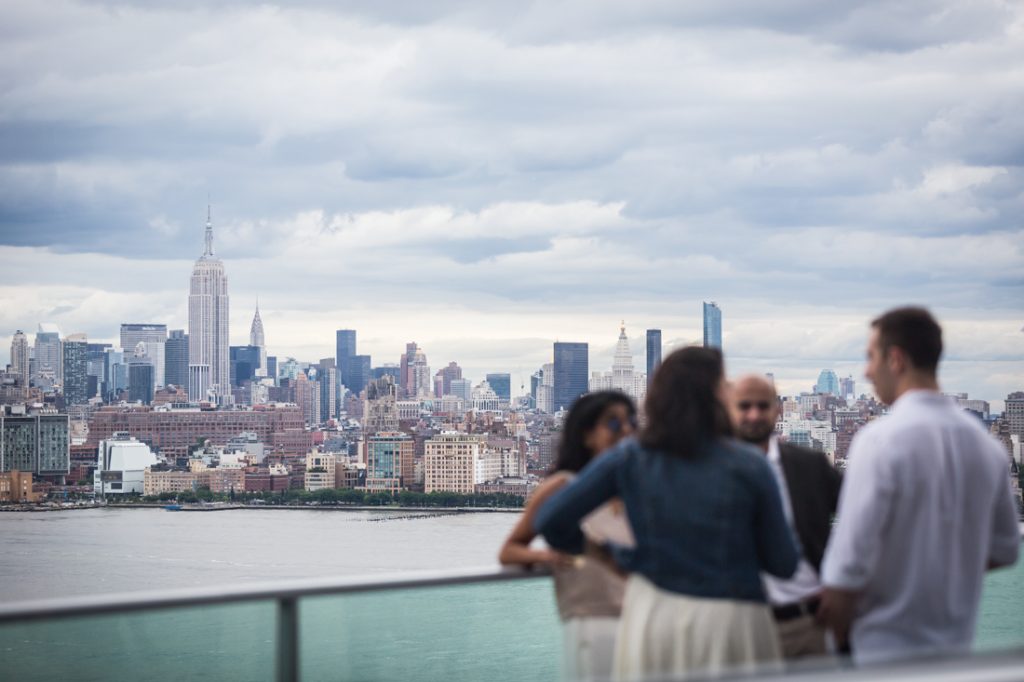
(926, 508)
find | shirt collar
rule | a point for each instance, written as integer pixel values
(917, 396)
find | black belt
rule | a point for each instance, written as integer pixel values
(808, 607)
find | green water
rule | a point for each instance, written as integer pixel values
(491, 631)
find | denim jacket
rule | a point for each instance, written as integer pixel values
(705, 526)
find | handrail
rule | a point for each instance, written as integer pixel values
(90, 605)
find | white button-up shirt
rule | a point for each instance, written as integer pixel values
(804, 583)
(926, 504)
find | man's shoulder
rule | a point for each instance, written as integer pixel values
(799, 453)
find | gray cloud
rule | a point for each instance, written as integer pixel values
(513, 167)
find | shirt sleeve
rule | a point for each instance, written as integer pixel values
(776, 546)
(558, 519)
(1005, 545)
(865, 503)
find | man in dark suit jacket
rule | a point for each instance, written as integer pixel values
(809, 485)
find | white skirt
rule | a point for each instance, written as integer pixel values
(664, 634)
(588, 648)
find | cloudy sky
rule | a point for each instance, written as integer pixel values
(487, 177)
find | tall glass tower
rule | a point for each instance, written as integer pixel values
(712, 325)
(653, 352)
(345, 350)
(572, 369)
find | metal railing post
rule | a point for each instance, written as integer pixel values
(287, 639)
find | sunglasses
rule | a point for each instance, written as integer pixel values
(762, 405)
(616, 425)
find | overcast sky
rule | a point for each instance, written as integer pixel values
(485, 178)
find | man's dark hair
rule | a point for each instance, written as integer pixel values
(583, 416)
(915, 332)
(683, 412)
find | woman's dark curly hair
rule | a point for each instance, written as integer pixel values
(683, 411)
(583, 416)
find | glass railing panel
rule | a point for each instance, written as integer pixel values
(1002, 603)
(506, 630)
(219, 642)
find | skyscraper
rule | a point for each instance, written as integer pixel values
(209, 363)
(653, 352)
(176, 359)
(345, 350)
(501, 383)
(712, 325)
(155, 338)
(256, 339)
(245, 361)
(19, 357)
(76, 378)
(452, 371)
(47, 354)
(572, 367)
(359, 373)
(140, 375)
(828, 383)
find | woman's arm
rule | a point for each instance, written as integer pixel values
(516, 551)
(558, 520)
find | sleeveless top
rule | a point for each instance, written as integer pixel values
(589, 588)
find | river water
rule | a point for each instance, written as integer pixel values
(488, 631)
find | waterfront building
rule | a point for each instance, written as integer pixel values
(154, 336)
(47, 356)
(20, 358)
(345, 350)
(501, 382)
(74, 352)
(653, 352)
(140, 376)
(16, 486)
(621, 378)
(37, 442)
(571, 367)
(121, 464)
(157, 482)
(176, 359)
(712, 325)
(172, 432)
(389, 462)
(451, 462)
(320, 470)
(208, 314)
(828, 383)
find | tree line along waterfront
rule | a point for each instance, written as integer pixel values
(337, 497)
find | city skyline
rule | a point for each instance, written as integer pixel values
(794, 163)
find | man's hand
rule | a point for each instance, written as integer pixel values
(836, 613)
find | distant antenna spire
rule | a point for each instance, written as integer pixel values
(209, 233)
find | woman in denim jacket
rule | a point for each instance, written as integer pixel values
(707, 519)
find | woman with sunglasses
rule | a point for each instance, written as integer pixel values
(708, 520)
(588, 591)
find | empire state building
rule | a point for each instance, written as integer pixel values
(209, 368)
